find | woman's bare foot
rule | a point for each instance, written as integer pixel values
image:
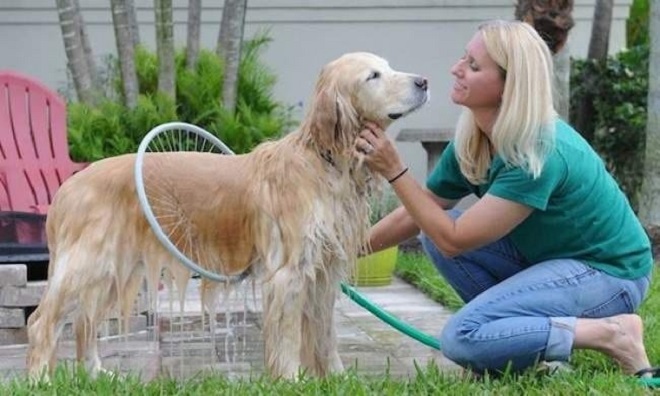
(626, 345)
(621, 337)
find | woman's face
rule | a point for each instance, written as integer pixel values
(479, 83)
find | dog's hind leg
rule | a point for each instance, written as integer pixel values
(46, 327)
(87, 343)
(282, 300)
(34, 356)
(93, 307)
(98, 303)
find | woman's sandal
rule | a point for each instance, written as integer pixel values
(649, 377)
(643, 373)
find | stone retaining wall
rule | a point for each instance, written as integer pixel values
(20, 297)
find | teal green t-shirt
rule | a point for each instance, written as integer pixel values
(579, 210)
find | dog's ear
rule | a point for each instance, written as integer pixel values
(348, 122)
(323, 117)
(333, 122)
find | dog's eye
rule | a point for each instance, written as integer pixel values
(373, 75)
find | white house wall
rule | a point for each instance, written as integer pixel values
(421, 36)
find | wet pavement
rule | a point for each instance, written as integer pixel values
(184, 344)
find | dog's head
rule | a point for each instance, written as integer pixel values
(360, 87)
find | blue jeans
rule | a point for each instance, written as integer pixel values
(516, 313)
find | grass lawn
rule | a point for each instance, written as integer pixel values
(593, 373)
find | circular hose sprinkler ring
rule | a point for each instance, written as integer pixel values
(146, 207)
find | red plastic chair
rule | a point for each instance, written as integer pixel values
(34, 152)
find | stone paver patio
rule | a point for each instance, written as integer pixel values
(180, 347)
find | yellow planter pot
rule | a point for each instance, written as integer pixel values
(376, 269)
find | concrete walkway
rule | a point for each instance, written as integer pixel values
(181, 345)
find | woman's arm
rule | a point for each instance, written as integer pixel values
(489, 219)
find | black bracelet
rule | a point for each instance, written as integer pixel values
(403, 172)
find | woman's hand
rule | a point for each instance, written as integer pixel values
(380, 154)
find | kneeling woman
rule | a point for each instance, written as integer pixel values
(551, 258)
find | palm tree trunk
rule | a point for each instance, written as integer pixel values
(75, 52)
(125, 52)
(562, 82)
(553, 20)
(165, 47)
(133, 22)
(192, 42)
(230, 41)
(600, 30)
(649, 210)
(598, 46)
(87, 47)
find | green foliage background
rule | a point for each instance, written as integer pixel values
(637, 26)
(620, 90)
(619, 87)
(112, 128)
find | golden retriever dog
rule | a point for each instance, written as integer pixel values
(293, 212)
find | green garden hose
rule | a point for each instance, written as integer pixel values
(388, 318)
(419, 335)
(650, 382)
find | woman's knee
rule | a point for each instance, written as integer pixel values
(456, 344)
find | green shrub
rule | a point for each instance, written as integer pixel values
(619, 87)
(198, 92)
(112, 129)
(637, 25)
(255, 81)
(146, 67)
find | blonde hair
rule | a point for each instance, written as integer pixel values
(523, 132)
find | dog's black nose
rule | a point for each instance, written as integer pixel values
(422, 83)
